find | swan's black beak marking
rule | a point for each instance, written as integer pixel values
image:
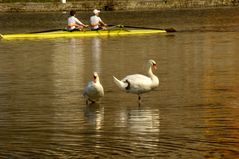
(155, 66)
(94, 78)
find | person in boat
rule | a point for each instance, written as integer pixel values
(74, 23)
(96, 22)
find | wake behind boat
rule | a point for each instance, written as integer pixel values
(60, 33)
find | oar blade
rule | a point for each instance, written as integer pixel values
(170, 30)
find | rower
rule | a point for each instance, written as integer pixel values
(95, 21)
(75, 24)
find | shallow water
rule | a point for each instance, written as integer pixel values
(192, 114)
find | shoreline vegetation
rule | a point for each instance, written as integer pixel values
(109, 5)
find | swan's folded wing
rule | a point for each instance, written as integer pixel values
(138, 83)
(100, 90)
(87, 89)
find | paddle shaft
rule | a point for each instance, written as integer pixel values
(46, 31)
(139, 27)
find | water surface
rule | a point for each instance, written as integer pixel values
(192, 114)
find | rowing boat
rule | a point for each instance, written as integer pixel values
(79, 34)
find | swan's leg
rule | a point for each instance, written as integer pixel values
(139, 98)
(91, 101)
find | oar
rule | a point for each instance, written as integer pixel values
(116, 27)
(46, 31)
(112, 27)
(139, 27)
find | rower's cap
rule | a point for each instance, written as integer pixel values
(96, 11)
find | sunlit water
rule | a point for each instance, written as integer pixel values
(192, 114)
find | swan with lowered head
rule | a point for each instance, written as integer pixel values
(138, 83)
(94, 90)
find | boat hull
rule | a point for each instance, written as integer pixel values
(79, 34)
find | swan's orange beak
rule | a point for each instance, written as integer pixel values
(154, 66)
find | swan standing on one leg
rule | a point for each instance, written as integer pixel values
(94, 90)
(138, 83)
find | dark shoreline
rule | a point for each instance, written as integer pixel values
(119, 6)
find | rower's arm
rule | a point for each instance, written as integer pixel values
(102, 23)
(78, 22)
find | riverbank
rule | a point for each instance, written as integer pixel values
(113, 5)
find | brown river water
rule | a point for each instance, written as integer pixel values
(193, 114)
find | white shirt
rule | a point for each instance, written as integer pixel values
(94, 21)
(73, 20)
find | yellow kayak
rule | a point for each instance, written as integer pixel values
(79, 34)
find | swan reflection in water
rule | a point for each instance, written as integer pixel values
(134, 120)
(139, 120)
(94, 115)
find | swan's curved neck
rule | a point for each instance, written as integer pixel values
(154, 78)
(150, 72)
(97, 80)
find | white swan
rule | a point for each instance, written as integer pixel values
(138, 83)
(94, 90)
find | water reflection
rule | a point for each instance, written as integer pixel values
(94, 115)
(140, 120)
(96, 54)
(68, 80)
(68, 65)
(193, 113)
